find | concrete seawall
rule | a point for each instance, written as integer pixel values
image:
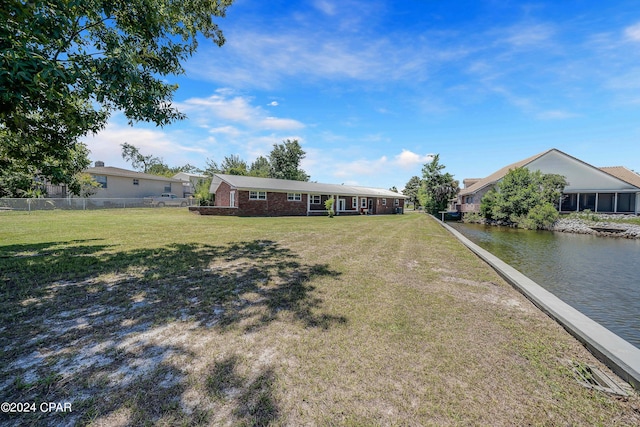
(619, 355)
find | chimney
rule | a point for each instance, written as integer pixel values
(99, 164)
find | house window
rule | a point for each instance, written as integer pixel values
(101, 179)
(354, 202)
(232, 199)
(384, 202)
(363, 203)
(396, 202)
(257, 195)
(136, 181)
(167, 188)
(314, 200)
(294, 197)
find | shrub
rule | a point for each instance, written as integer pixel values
(540, 217)
(328, 205)
(473, 218)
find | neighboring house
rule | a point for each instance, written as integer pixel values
(123, 183)
(251, 196)
(190, 182)
(607, 189)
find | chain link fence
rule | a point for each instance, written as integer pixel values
(81, 204)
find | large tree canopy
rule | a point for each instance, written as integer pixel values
(411, 189)
(66, 65)
(525, 198)
(285, 161)
(437, 188)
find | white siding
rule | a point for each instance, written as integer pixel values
(581, 177)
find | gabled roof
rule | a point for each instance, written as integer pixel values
(284, 185)
(112, 171)
(498, 175)
(620, 172)
(190, 175)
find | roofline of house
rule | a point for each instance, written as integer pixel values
(335, 191)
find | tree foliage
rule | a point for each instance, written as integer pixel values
(285, 160)
(526, 198)
(231, 165)
(411, 189)
(20, 177)
(437, 187)
(260, 167)
(66, 65)
(151, 164)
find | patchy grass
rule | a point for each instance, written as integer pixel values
(163, 317)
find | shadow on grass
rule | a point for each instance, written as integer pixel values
(84, 322)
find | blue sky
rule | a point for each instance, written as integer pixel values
(372, 88)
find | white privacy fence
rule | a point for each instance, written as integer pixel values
(75, 203)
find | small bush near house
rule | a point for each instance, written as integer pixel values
(328, 205)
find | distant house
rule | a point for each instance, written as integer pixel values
(190, 182)
(607, 189)
(251, 196)
(123, 183)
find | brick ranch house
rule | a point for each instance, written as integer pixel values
(606, 189)
(251, 196)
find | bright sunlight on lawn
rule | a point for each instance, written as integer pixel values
(166, 317)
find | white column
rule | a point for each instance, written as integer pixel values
(308, 203)
(595, 208)
(615, 202)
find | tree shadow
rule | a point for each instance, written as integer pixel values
(81, 318)
(248, 400)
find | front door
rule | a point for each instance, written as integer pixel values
(342, 205)
(371, 206)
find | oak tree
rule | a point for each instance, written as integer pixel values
(66, 65)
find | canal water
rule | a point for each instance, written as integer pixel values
(599, 276)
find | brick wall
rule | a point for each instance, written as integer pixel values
(277, 204)
(214, 210)
(389, 208)
(222, 194)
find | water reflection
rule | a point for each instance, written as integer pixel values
(596, 275)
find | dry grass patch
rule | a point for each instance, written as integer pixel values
(275, 321)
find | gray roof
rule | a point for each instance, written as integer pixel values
(289, 186)
(112, 171)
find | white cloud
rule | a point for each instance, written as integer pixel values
(325, 7)
(529, 35)
(556, 115)
(273, 104)
(408, 159)
(252, 58)
(226, 130)
(106, 145)
(633, 32)
(223, 107)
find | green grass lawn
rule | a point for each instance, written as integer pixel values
(163, 317)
